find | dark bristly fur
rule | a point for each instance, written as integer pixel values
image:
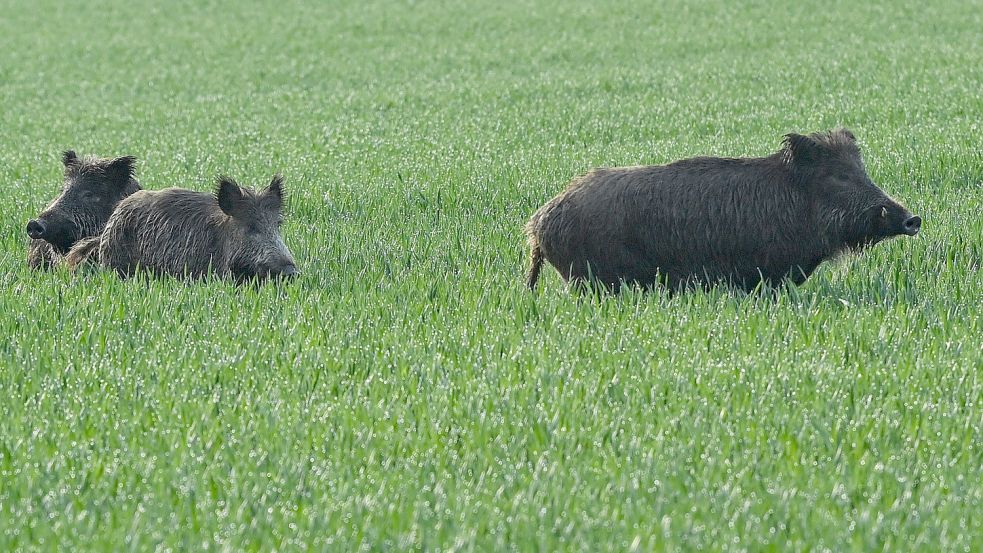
(708, 220)
(233, 233)
(92, 189)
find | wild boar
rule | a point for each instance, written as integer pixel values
(706, 220)
(92, 189)
(234, 233)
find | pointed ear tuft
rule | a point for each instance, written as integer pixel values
(847, 133)
(69, 158)
(229, 196)
(274, 193)
(121, 169)
(800, 149)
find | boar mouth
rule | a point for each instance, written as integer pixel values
(286, 272)
(279, 275)
(61, 243)
(276, 269)
(245, 276)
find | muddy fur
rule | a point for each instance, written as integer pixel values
(704, 221)
(92, 189)
(234, 233)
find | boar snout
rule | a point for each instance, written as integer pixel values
(287, 270)
(53, 229)
(36, 229)
(911, 225)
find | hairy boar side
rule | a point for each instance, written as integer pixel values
(707, 220)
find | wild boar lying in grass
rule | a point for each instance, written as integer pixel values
(92, 189)
(234, 233)
(706, 220)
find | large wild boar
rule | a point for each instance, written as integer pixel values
(92, 189)
(706, 220)
(234, 233)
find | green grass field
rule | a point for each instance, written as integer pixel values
(408, 392)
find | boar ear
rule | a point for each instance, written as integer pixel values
(230, 197)
(69, 159)
(848, 134)
(121, 169)
(274, 193)
(801, 149)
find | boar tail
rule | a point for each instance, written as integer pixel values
(84, 250)
(535, 263)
